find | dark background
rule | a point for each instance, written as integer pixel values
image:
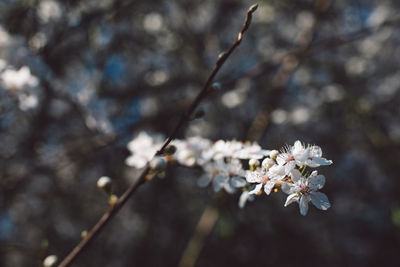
(325, 72)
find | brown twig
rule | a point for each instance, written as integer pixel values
(203, 93)
(196, 243)
(142, 178)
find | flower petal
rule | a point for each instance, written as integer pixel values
(315, 151)
(297, 147)
(316, 182)
(204, 180)
(277, 171)
(289, 167)
(237, 182)
(316, 161)
(291, 198)
(303, 204)
(300, 153)
(229, 189)
(268, 187)
(253, 177)
(281, 158)
(136, 161)
(243, 199)
(320, 200)
(289, 188)
(221, 179)
(295, 175)
(256, 189)
(219, 182)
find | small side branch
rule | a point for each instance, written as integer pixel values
(106, 218)
(203, 93)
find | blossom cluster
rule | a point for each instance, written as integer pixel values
(247, 167)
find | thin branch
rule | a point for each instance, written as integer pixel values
(203, 93)
(196, 243)
(106, 218)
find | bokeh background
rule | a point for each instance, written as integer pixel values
(94, 73)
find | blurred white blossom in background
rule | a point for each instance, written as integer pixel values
(18, 79)
(21, 83)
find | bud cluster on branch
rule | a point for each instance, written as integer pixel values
(243, 166)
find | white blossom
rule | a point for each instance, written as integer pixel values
(50, 261)
(18, 79)
(304, 190)
(251, 151)
(292, 156)
(48, 10)
(143, 148)
(267, 163)
(27, 101)
(223, 175)
(300, 155)
(222, 149)
(25, 85)
(265, 179)
(190, 152)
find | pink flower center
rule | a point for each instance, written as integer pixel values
(305, 190)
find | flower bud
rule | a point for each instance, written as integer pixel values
(273, 154)
(84, 234)
(215, 87)
(50, 261)
(253, 164)
(221, 56)
(112, 200)
(104, 183)
(267, 163)
(169, 150)
(198, 114)
(158, 164)
(253, 8)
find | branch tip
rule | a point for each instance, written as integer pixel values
(253, 8)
